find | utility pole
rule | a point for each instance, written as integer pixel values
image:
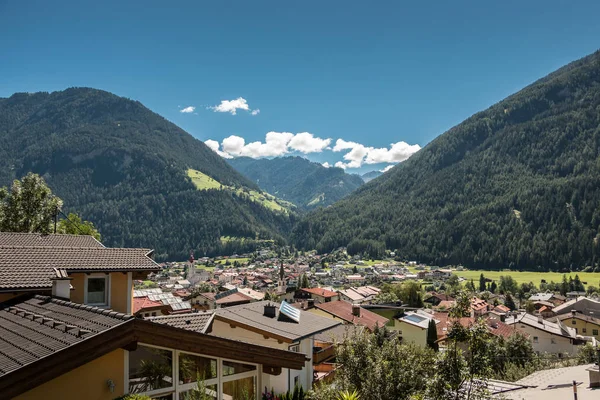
(575, 390)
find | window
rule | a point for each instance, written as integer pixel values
(96, 290)
(172, 374)
(535, 339)
(232, 368)
(240, 389)
(584, 330)
(595, 332)
(150, 369)
(295, 348)
(193, 394)
(573, 322)
(296, 380)
(552, 341)
(192, 367)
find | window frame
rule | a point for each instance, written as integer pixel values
(107, 295)
(176, 389)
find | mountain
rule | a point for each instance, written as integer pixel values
(139, 178)
(304, 183)
(369, 176)
(516, 185)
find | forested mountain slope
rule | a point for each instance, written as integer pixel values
(517, 185)
(298, 180)
(369, 176)
(125, 168)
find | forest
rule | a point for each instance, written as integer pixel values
(515, 186)
(123, 167)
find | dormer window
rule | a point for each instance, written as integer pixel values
(97, 289)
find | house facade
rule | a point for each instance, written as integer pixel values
(69, 333)
(265, 324)
(548, 337)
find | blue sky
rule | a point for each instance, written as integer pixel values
(369, 73)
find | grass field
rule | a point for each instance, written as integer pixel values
(205, 182)
(592, 278)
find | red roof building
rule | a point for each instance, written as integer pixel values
(352, 314)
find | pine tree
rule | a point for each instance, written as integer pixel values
(432, 335)
(509, 302)
(481, 283)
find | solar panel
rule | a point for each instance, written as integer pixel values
(415, 318)
(289, 311)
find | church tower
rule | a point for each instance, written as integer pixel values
(281, 286)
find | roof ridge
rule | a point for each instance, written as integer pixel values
(104, 311)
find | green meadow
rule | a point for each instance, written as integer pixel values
(591, 278)
(205, 182)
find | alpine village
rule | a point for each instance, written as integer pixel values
(139, 261)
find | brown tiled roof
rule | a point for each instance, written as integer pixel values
(42, 326)
(320, 292)
(236, 297)
(31, 267)
(11, 239)
(197, 322)
(343, 310)
(252, 315)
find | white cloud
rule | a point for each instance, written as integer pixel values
(326, 164)
(255, 112)
(386, 169)
(280, 143)
(360, 154)
(305, 142)
(276, 144)
(355, 156)
(189, 109)
(214, 146)
(231, 106)
(398, 152)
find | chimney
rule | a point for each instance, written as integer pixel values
(356, 310)
(61, 284)
(269, 310)
(540, 320)
(573, 313)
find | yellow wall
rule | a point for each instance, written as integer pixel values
(86, 382)
(581, 324)
(411, 333)
(78, 285)
(326, 315)
(118, 290)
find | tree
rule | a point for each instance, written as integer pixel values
(453, 284)
(393, 371)
(509, 302)
(470, 286)
(411, 294)
(493, 287)
(73, 225)
(30, 206)
(508, 285)
(564, 286)
(304, 283)
(432, 335)
(482, 282)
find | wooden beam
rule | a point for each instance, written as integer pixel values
(181, 339)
